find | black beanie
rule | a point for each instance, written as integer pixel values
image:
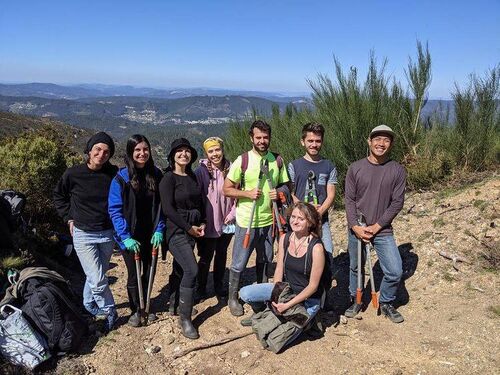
(101, 137)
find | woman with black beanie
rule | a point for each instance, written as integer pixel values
(134, 208)
(81, 199)
(181, 200)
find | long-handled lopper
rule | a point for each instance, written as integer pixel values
(310, 195)
(264, 167)
(152, 272)
(246, 239)
(138, 267)
(368, 247)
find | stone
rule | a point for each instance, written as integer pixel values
(169, 339)
(244, 354)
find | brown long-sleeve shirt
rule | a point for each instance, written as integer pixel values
(375, 190)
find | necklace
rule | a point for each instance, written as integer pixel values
(301, 242)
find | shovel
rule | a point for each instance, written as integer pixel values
(138, 268)
(368, 247)
(152, 272)
(264, 168)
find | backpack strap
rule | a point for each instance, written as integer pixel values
(244, 167)
(286, 243)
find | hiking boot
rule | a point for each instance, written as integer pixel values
(135, 320)
(152, 317)
(256, 308)
(186, 301)
(390, 312)
(111, 319)
(353, 310)
(233, 303)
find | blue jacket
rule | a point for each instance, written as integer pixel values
(121, 207)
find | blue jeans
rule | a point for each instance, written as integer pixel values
(94, 250)
(262, 293)
(260, 239)
(390, 262)
(326, 237)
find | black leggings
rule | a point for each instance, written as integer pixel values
(132, 288)
(206, 249)
(181, 246)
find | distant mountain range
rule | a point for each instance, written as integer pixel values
(53, 91)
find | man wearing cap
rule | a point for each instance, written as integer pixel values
(245, 184)
(81, 199)
(375, 188)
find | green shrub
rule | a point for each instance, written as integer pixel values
(32, 164)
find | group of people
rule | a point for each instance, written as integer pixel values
(139, 207)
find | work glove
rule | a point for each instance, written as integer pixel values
(157, 239)
(132, 245)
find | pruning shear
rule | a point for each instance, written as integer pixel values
(310, 193)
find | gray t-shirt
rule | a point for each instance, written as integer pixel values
(325, 174)
(377, 191)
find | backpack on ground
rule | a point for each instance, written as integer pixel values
(12, 203)
(50, 306)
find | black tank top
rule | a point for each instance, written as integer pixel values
(297, 271)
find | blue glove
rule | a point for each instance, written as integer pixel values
(157, 239)
(132, 245)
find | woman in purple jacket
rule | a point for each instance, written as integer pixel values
(220, 213)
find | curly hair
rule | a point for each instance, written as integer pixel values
(311, 214)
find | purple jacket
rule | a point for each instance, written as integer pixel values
(217, 206)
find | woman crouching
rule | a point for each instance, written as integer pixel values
(300, 263)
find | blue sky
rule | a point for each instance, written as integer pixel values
(254, 45)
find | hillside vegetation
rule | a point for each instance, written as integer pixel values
(432, 149)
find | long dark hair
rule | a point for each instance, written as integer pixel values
(149, 167)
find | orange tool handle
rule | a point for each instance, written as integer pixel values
(137, 256)
(246, 241)
(154, 252)
(375, 300)
(359, 294)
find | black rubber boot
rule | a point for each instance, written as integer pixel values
(202, 278)
(354, 309)
(233, 302)
(261, 271)
(134, 320)
(256, 308)
(390, 312)
(186, 301)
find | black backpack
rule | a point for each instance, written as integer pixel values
(50, 306)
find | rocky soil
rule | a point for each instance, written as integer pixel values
(452, 314)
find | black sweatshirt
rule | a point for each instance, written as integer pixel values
(181, 202)
(82, 196)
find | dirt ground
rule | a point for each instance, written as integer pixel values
(452, 317)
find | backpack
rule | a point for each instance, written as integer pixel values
(12, 203)
(50, 306)
(326, 277)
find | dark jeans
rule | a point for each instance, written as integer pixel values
(207, 247)
(132, 288)
(181, 246)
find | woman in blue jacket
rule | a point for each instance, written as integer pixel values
(134, 208)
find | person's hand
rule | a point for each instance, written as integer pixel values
(280, 307)
(273, 195)
(373, 229)
(202, 230)
(319, 209)
(132, 245)
(157, 239)
(196, 231)
(362, 233)
(71, 226)
(254, 194)
(228, 220)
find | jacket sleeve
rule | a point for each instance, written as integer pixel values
(62, 197)
(115, 210)
(350, 198)
(160, 227)
(397, 199)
